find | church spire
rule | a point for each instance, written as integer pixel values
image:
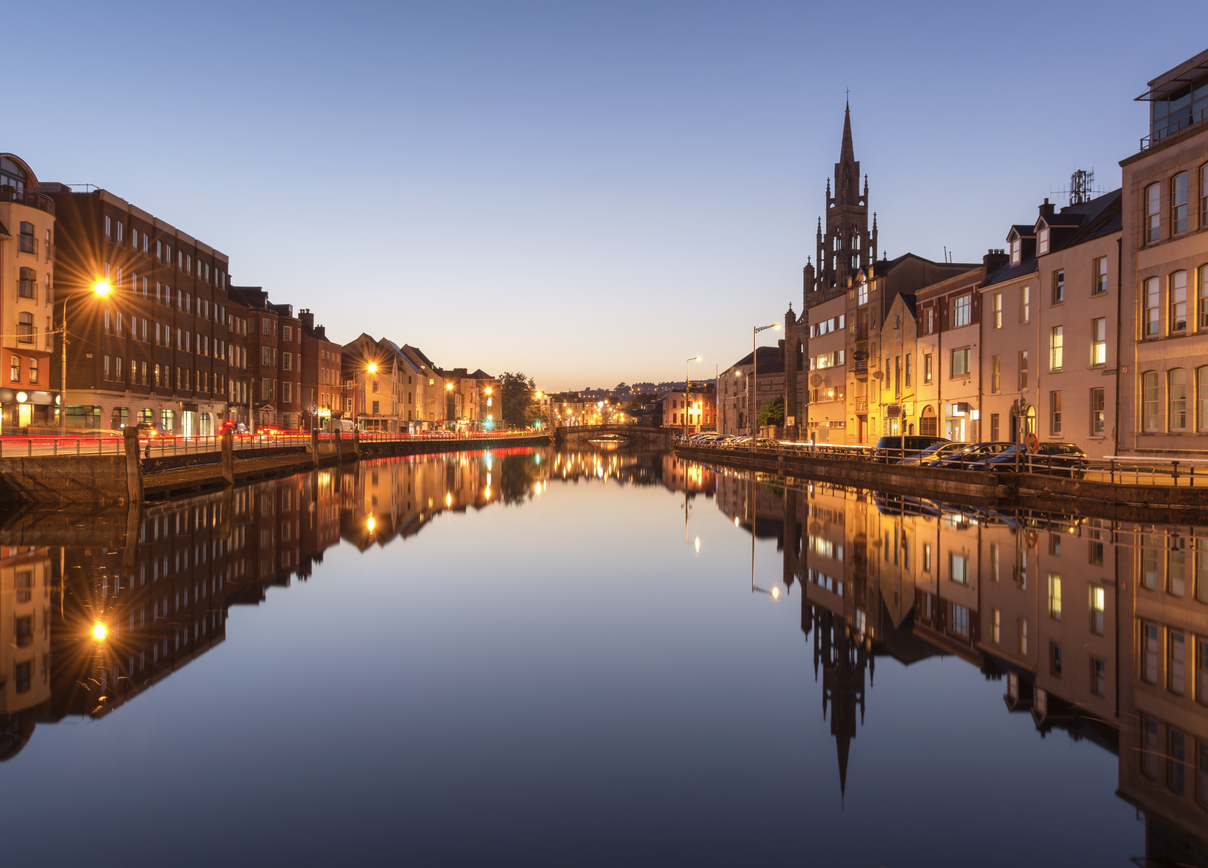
(847, 153)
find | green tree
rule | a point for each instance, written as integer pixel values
(772, 413)
(515, 398)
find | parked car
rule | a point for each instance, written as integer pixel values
(763, 443)
(891, 449)
(1058, 459)
(973, 457)
(933, 454)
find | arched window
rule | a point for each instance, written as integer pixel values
(929, 423)
(1151, 419)
(1029, 421)
(1201, 398)
(1177, 393)
(27, 285)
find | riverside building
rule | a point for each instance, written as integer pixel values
(27, 260)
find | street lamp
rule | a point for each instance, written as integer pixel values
(755, 377)
(100, 289)
(687, 387)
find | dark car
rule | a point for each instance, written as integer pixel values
(973, 457)
(1058, 459)
(932, 454)
(892, 449)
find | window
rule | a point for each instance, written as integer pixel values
(1176, 567)
(14, 370)
(1098, 677)
(109, 228)
(1055, 659)
(1025, 303)
(1059, 286)
(1023, 369)
(995, 376)
(1202, 299)
(1149, 653)
(286, 362)
(908, 356)
(1055, 596)
(1177, 393)
(1151, 548)
(960, 362)
(1042, 241)
(1201, 396)
(1178, 302)
(1151, 419)
(1204, 196)
(375, 408)
(1099, 341)
(1056, 347)
(1098, 414)
(1149, 747)
(1153, 195)
(1098, 606)
(1016, 250)
(1099, 273)
(1175, 663)
(929, 321)
(1201, 694)
(958, 568)
(287, 333)
(33, 371)
(962, 311)
(1055, 412)
(994, 430)
(286, 392)
(1178, 203)
(25, 328)
(927, 367)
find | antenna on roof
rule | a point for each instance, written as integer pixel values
(1082, 187)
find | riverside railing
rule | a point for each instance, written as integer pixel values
(161, 445)
(1113, 469)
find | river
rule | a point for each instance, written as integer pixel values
(598, 658)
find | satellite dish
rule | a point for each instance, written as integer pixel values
(815, 380)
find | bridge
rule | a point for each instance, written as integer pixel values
(633, 433)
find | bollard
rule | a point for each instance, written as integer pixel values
(134, 470)
(228, 458)
(314, 446)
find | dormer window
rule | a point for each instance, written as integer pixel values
(862, 293)
(1042, 241)
(1016, 250)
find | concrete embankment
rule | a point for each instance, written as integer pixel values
(975, 488)
(126, 477)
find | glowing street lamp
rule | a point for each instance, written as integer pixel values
(99, 632)
(687, 388)
(755, 386)
(100, 289)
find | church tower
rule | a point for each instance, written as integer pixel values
(847, 244)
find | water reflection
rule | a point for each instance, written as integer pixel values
(1095, 627)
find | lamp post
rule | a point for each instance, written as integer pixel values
(687, 386)
(755, 385)
(370, 368)
(100, 289)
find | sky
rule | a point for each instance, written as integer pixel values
(586, 192)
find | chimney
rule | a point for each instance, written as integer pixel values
(1047, 210)
(994, 260)
(321, 331)
(307, 318)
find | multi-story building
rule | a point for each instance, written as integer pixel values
(322, 383)
(947, 337)
(263, 335)
(1164, 309)
(289, 401)
(27, 247)
(690, 411)
(734, 396)
(371, 371)
(154, 347)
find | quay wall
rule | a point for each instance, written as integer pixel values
(975, 488)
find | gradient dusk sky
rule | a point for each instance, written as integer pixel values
(586, 192)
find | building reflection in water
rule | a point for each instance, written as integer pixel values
(1096, 627)
(126, 600)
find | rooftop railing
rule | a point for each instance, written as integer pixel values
(27, 197)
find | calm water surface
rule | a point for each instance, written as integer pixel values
(598, 658)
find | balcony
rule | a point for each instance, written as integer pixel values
(29, 244)
(860, 368)
(861, 405)
(862, 332)
(28, 197)
(27, 289)
(1171, 128)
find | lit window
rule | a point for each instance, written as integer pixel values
(1099, 341)
(1153, 194)
(1178, 302)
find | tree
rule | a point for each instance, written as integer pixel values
(772, 413)
(515, 397)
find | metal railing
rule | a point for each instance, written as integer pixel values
(112, 443)
(1115, 470)
(1171, 129)
(27, 197)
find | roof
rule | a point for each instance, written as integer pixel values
(1100, 216)
(4, 232)
(1011, 272)
(767, 355)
